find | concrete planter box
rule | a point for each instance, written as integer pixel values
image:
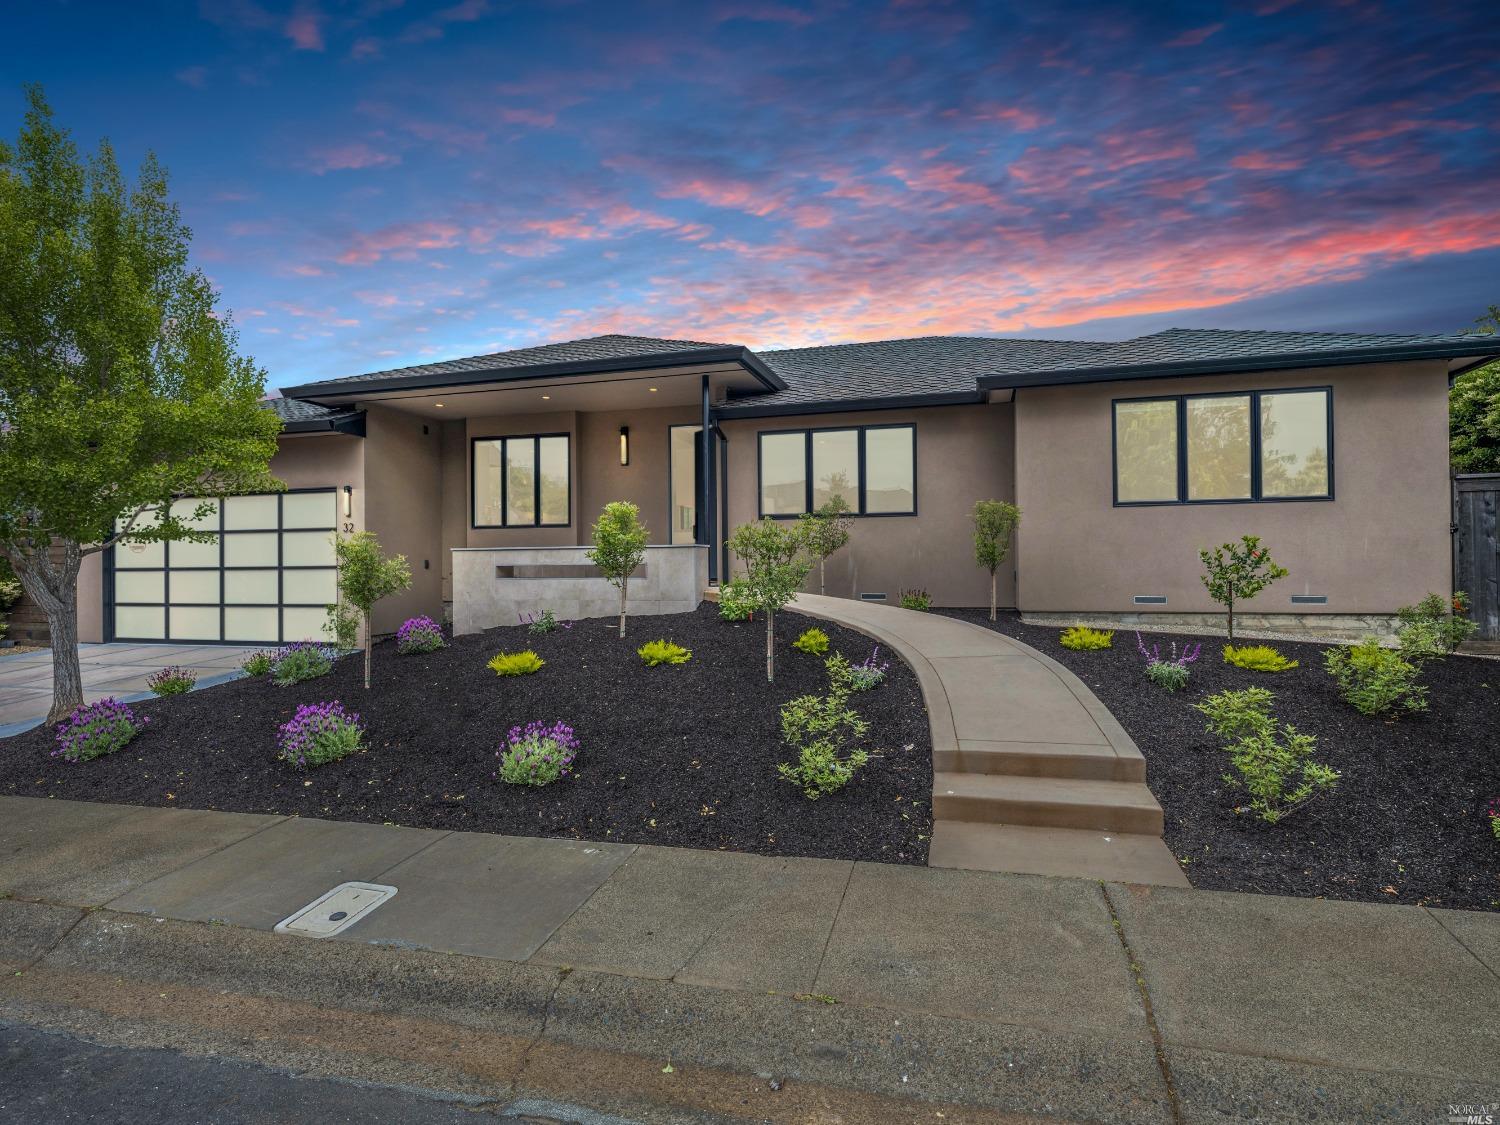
(494, 586)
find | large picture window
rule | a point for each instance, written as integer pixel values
(873, 468)
(521, 481)
(1222, 448)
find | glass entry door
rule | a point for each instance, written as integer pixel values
(686, 468)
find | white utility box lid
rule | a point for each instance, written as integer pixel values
(335, 911)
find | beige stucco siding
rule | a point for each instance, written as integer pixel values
(404, 476)
(963, 454)
(1381, 543)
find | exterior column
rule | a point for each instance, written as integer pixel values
(708, 523)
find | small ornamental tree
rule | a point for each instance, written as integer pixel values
(1237, 571)
(776, 564)
(619, 546)
(366, 576)
(995, 522)
(825, 532)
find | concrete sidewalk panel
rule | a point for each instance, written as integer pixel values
(1014, 699)
(1015, 949)
(1358, 984)
(88, 864)
(261, 880)
(29, 929)
(1479, 931)
(724, 919)
(32, 826)
(487, 896)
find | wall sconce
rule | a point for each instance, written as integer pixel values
(624, 445)
(348, 500)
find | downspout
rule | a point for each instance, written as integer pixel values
(723, 502)
(708, 524)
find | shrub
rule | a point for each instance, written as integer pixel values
(1257, 658)
(916, 598)
(1274, 765)
(619, 547)
(172, 681)
(812, 641)
(1494, 815)
(824, 731)
(1433, 628)
(96, 729)
(418, 635)
(545, 622)
(319, 733)
(1237, 571)
(1081, 638)
(995, 522)
(1170, 673)
(516, 663)
(537, 754)
(1375, 680)
(300, 661)
(663, 652)
(735, 603)
(865, 676)
(258, 663)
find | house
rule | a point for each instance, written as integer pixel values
(1125, 458)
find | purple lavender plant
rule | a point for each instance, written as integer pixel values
(1172, 672)
(319, 733)
(172, 681)
(419, 634)
(537, 754)
(96, 729)
(869, 674)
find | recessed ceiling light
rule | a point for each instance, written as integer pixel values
(546, 396)
(438, 405)
(653, 390)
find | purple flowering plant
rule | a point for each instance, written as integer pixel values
(96, 729)
(1169, 672)
(172, 681)
(419, 634)
(1494, 815)
(319, 733)
(870, 673)
(301, 660)
(544, 622)
(537, 754)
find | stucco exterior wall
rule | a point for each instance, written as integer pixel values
(404, 476)
(963, 454)
(644, 482)
(1381, 543)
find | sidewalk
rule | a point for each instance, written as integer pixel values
(563, 968)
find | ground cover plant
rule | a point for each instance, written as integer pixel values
(258, 663)
(916, 599)
(301, 661)
(686, 758)
(97, 729)
(867, 675)
(813, 641)
(172, 680)
(1257, 658)
(1171, 671)
(1407, 821)
(1081, 638)
(419, 634)
(516, 663)
(319, 733)
(663, 652)
(538, 753)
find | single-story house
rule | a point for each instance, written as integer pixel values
(1125, 458)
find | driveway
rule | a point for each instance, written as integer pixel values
(120, 670)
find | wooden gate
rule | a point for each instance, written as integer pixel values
(1476, 547)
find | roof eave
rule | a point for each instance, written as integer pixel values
(352, 424)
(748, 408)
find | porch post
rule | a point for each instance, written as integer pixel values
(708, 522)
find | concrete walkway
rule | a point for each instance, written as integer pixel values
(120, 670)
(655, 976)
(1031, 773)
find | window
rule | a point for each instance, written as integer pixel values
(521, 481)
(1218, 448)
(874, 469)
(684, 449)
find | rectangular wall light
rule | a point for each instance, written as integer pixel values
(348, 500)
(624, 445)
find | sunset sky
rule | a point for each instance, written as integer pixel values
(373, 183)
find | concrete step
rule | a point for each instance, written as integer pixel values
(1048, 802)
(1041, 759)
(1122, 857)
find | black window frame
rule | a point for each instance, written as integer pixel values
(536, 483)
(1256, 452)
(807, 473)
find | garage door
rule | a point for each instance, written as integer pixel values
(268, 575)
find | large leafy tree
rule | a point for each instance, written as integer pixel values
(1474, 410)
(120, 386)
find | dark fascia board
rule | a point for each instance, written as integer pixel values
(733, 354)
(1240, 365)
(352, 424)
(748, 408)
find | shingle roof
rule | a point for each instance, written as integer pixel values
(298, 415)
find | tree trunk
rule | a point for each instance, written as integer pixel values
(992, 596)
(54, 587)
(624, 584)
(770, 647)
(822, 577)
(367, 652)
(1229, 608)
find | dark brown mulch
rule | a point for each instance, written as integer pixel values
(1407, 822)
(682, 755)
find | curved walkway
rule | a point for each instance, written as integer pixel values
(1030, 772)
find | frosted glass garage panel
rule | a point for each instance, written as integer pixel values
(308, 509)
(250, 587)
(185, 508)
(195, 623)
(140, 586)
(185, 553)
(303, 624)
(200, 587)
(249, 513)
(307, 548)
(250, 549)
(130, 556)
(141, 622)
(251, 623)
(309, 587)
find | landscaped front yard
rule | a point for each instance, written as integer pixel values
(682, 755)
(1406, 821)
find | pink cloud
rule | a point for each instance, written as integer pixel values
(1196, 36)
(1266, 162)
(349, 157)
(536, 117)
(305, 29)
(399, 240)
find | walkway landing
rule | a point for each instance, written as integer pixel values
(1031, 773)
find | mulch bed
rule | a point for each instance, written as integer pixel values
(1407, 822)
(679, 755)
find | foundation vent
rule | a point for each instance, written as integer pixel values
(1309, 599)
(872, 597)
(1150, 599)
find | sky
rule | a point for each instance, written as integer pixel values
(374, 183)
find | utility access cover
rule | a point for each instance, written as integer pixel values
(336, 911)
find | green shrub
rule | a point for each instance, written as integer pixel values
(865, 676)
(917, 599)
(319, 733)
(1257, 658)
(258, 663)
(1433, 628)
(812, 641)
(541, 623)
(1375, 680)
(172, 681)
(1168, 674)
(1274, 765)
(538, 753)
(1083, 639)
(734, 601)
(298, 662)
(663, 652)
(96, 729)
(516, 663)
(824, 730)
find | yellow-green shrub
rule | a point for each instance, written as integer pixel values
(1257, 658)
(663, 652)
(1084, 639)
(813, 641)
(516, 663)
